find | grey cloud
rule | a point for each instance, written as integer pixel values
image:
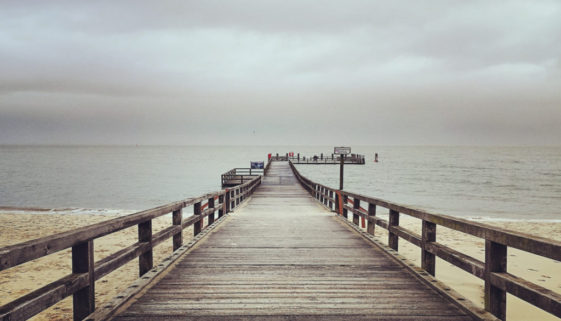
(432, 72)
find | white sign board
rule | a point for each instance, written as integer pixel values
(342, 150)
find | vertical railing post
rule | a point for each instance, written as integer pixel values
(371, 223)
(198, 226)
(222, 209)
(211, 215)
(345, 211)
(495, 261)
(177, 217)
(356, 207)
(338, 204)
(227, 202)
(393, 239)
(232, 199)
(428, 260)
(83, 300)
(146, 259)
(331, 200)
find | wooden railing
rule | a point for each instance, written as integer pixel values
(81, 283)
(331, 159)
(493, 271)
(239, 176)
(266, 170)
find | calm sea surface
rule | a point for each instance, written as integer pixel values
(474, 182)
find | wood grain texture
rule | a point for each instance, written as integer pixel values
(283, 256)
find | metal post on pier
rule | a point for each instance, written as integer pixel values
(341, 151)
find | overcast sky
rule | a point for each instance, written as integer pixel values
(280, 72)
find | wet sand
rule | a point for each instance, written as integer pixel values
(15, 282)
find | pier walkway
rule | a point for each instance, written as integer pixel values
(283, 256)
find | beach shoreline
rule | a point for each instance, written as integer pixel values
(16, 228)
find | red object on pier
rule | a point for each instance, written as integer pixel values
(269, 156)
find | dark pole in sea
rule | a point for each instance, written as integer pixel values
(341, 172)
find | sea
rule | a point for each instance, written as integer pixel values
(481, 183)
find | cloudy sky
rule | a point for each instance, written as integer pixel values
(280, 72)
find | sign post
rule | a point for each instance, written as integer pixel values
(341, 171)
(341, 151)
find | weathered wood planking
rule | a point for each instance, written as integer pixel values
(282, 258)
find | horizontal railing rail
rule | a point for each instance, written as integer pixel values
(320, 159)
(81, 283)
(238, 176)
(493, 270)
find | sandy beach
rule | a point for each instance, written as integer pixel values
(15, 282)
(20, 280)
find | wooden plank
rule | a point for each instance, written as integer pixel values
(198, 226)
(309, 317)
(371, 214)
(428, 260)
(393, 238)
(146, 259)
(83, 300)
(458, 259)
(356, 208)
(539, 296)
(177, 217)
(30, 304)
(495, 261)
(112, 262)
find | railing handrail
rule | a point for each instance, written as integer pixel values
(321, 159)
(493, 270)
(86, 271)
(246, 171)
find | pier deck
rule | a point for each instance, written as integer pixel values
(283, 256)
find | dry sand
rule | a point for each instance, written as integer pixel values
(15, 282)
(20, 280)
(542, 271)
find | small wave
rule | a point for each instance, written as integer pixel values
(64, 211)
(508, 219)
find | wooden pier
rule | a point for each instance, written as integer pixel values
(276, 251)
(273, 261)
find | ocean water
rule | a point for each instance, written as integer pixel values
(496, 183)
